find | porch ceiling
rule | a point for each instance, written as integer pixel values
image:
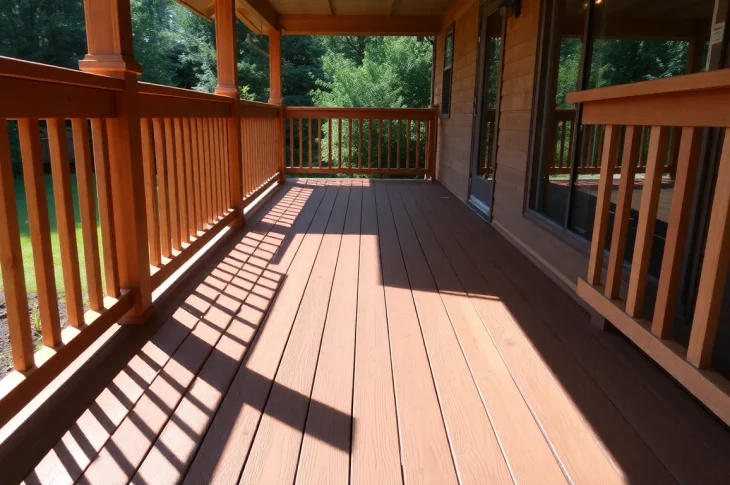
(358, 17)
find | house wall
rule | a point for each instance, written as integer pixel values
(454, 144)
(563, 261)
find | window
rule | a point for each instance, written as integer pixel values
(448, 73)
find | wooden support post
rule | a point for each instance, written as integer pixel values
(225, 42)
(110, 52)
(275, 96)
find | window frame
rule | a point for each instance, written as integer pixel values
(448, 70)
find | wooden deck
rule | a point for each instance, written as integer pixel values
(377, 333)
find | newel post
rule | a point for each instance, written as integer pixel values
(225, 46)
(275, 96)
(110, 52)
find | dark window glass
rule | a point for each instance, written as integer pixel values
(448, 73)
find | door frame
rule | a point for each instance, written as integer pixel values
(486, 8)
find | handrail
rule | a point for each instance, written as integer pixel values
(16, 68)
(690, 102)
(161, 90)
(700, 81)
(291, 112)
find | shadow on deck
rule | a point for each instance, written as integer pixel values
(372, 332)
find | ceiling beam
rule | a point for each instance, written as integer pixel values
(358, 25)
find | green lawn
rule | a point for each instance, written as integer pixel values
(25, 240)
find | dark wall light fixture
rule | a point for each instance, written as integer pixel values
(509, 8)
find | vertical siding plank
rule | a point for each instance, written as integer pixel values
(11, 263)
(632, 142)
(87, 210)
(150, 188)
(600, 226)
(163, 192)
(106, 207)
(40, 229)
(715, 266)
(647, 220)
(61, 175)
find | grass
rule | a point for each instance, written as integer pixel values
(25, 240)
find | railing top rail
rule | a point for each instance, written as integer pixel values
(259, 104)
(34, 71)
(160, 90)
(701, 81)
(372, 113)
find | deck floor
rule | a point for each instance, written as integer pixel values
(378, 332)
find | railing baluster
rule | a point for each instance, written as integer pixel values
(319, 143)
(181, 184)
(291, 142)
(595, 264)
(349, 142)
(309, 128)
(189, 179)
(686, 163)
(715, 266)
(380, 143)
(418, 144)
(647, 220)
(171, 164)
(330, 137)
(397, 145)
(106, 206)
(359, 143)
(66, 225)
(40, 229)
(16, 298)
(408, 145)
(87, 211)
(198, 181)
(370, 143)
(339, 142)
(162, 188)
(390, 139)
(150, 187)
(632, 141)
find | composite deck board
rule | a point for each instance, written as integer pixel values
(165, 463)
(275, 450)
(72, 454)
(528, 452)
(425, 452)
(660, 427)
(368, 331)
(375, 453)
(474, 446)
(571, 437)
(126, 449)
(325, 452)
(226, 446)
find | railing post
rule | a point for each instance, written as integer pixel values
(225, 46)
(432, 144)
(110, 52)
(275, 96)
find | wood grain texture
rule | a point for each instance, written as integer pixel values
(325, 448)
(162, 187)
(16, 299)
(275, 450)
(647, 220)
(629, 161)
(419, 416)
(40, 230)
(603, 201)
(172, 166)
(182, 192)
(476, 451)
(375, 454)
(61, 175)
(150, 189)
(715, 266)
(106, 206)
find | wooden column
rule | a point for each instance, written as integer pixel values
(110, 52)
(275, 96)
(225, 45)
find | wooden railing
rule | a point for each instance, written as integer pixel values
(33, 95)
(186, 169)
(262, 143)
(692, 102)
(197, 151)
(373, 141)
(591, 147)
